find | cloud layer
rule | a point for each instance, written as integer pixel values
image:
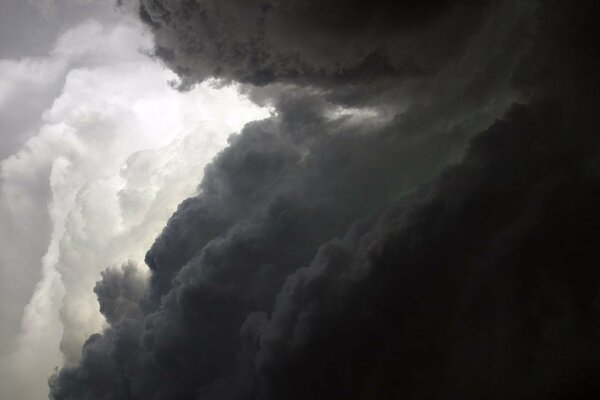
(435, 244)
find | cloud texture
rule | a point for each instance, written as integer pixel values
(430, 238)
(94, 180)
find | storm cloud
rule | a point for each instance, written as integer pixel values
(417, 219)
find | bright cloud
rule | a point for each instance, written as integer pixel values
(113, 155)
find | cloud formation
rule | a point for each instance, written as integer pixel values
(116, 150)
(374, 257)
(325, 42)
(119, 292)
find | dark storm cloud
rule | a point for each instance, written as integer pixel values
(324, 259)
(323, 42)
(479, 286)
(120, 291)
(285, 186)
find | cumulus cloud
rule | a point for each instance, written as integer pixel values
(115, 152)
(29, 87)
(374, 257)
(119, 292)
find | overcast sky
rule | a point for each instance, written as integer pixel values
(282, 199)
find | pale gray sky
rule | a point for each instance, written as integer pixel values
(23, 30)
(29, 29)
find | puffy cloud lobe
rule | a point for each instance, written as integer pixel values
(119, 292)
(103, 367)
(315, 263)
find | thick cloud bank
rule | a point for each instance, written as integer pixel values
(363, 253)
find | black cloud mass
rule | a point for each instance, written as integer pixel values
(417, 220)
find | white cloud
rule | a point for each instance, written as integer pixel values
(115, 153)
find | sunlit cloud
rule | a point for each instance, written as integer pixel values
(115, 153)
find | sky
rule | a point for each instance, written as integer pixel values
(208, 200)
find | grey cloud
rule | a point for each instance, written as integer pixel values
(283, 187)
(330, 258)
(103, 368)
(119, 292)
(464, 290)
(312, 42)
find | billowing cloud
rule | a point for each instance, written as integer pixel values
(465, 289)
(374, 257)
(120, 291)
(114, 154)
(311, 41)
(30, 86)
